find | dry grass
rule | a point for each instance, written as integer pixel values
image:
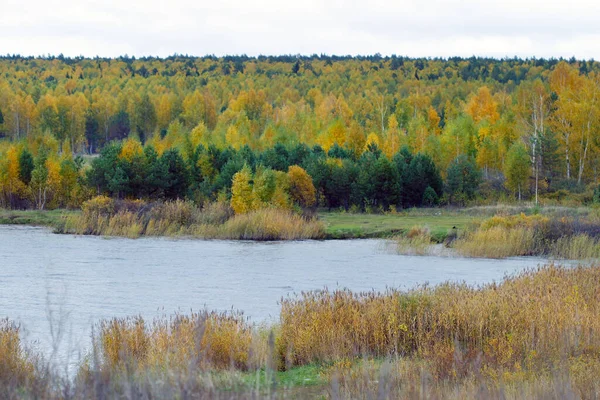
(580, 247)
(417, 241)
(530, 324)
(132, 219)
(520, 235)
(271, 224)
(209, 340)
(16, 366)
(496, 242)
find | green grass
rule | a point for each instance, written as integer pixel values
(341, 225)
(306, 375)
(51, 218)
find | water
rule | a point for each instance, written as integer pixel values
(75, 281)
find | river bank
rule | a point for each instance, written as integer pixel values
(533, 335)
(440, 222)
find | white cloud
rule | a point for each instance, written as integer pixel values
(416, 28)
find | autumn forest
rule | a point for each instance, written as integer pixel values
(367, 133)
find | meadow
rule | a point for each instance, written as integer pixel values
(534, 335)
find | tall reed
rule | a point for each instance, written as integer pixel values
(103, 216)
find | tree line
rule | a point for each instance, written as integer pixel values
(287, 177)
(493, 113)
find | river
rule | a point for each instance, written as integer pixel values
(50, 281)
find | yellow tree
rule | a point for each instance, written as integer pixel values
(566, 83)
(433, 120)
(79, 105)
(587, 119)
(11, 187)
(356, 139)
(533, 106)
(301, 187)
(392, 137)
(131, 149)
(241, 191)
(104, 107)
(164, 109)
(483, 106)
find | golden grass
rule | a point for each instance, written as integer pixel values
(209, 340)
(16, 367)
(520, 235)
(580, 247)
(271, 224)
(101, 216)
(496, 242)
(531, 323)
(417, 241)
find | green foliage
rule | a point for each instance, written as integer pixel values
(517, 168)
(463, 180)
(420, 175)
(338, 118)
(26, 166)
(596, 198)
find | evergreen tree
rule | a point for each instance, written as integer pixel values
(463, 180)
(26, 166)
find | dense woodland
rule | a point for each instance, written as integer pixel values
(371, 133)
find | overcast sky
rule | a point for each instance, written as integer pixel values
(525, 28)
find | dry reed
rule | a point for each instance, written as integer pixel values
(103, 216)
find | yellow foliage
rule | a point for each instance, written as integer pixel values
(131, 149)
(302, 189)
(241, 191)
(483, 106)
(16, 367)
(372, 139)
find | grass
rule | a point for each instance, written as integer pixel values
(340, 225)
(104, 216)
(535, 335)
(49, 218)
(535, 235)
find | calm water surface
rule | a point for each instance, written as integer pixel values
(76, 281)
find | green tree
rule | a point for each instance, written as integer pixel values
(39, 180)
(26, 166)
(420, 174)
(145, 118)
(517, 168)
(176, 178)
(463, 180)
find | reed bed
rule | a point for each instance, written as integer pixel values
(417, 241)
(16, 365)
(208, 339)
(535, 335)
(521, 235)
(133, 219)
(530, 322)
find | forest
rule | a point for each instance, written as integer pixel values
(366, 133)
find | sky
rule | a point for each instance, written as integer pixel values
(416, 28)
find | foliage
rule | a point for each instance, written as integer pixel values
(517, 168)
(463, 180)
(199, 120)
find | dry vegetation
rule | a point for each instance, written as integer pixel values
(536, 335)
(521, 235)
(105, 216)
(564, 234)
